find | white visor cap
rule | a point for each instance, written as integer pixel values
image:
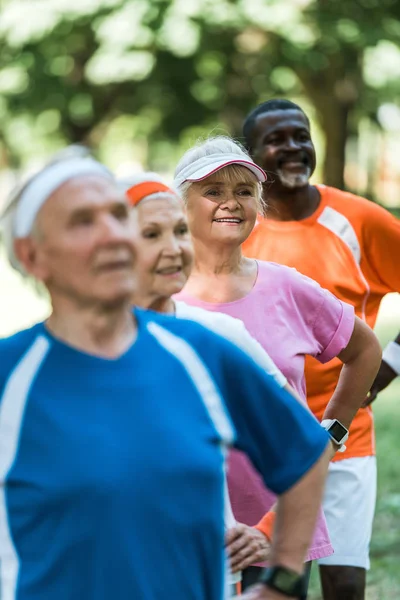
(210, 164)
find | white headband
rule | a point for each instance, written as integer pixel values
(35, 194)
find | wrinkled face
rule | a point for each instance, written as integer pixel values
(82, 246)
(164, 248)
(282, 145)
(223, 208)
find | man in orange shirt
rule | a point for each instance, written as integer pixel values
(351, 247)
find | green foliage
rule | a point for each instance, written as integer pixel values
(384, 577)
(70, 68)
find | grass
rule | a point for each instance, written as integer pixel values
(384, 579)
(384, 576)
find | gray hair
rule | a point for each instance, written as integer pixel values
(9, 219)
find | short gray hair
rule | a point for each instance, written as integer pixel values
(70, 156)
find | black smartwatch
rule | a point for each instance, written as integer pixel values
(283, 580)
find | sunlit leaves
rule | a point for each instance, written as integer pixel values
(13, 80)
(110, 67)
(284, 79)
(179, 35)
(125, 28)
(382, 64)
(75, 69)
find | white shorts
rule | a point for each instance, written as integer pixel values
(349, 507)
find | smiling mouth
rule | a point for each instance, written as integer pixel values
(290, 163)
(169, 271)
(233, 220)
(293, 169)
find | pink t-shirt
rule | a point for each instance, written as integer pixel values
(291, 316)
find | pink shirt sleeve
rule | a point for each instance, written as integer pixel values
(334, 327)
(332, 320)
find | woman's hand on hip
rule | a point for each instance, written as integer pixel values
(245, 546)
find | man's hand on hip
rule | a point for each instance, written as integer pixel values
(384, 377)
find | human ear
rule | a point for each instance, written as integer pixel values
(27, 254)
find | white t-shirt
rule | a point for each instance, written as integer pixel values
(234, 331)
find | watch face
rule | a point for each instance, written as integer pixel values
(337, 431)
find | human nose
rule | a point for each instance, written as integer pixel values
(291, 144)
(172, 246)
(230, 202)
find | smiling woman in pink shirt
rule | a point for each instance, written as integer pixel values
(290, 315)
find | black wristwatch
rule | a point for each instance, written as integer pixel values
(283, 580)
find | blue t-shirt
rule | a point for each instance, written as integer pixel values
(111, 471)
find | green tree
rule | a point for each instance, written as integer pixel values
(165, 69)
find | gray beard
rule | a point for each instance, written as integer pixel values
(294, 180)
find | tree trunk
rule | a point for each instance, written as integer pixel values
(333, 99)
(334, 122)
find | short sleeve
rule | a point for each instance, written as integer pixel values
(327, 319)
(266, 524)
(381, 246)
(333, 326)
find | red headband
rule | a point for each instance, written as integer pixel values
(137, 192)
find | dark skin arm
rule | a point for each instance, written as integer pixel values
(384, 377)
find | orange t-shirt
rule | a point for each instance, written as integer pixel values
(351, 247)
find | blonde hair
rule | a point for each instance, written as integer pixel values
(230, 174)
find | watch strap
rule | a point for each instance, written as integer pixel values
(285, 581)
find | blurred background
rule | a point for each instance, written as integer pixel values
(140, 80)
